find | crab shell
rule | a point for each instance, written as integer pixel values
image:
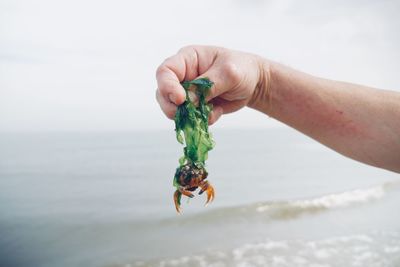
(188, 178)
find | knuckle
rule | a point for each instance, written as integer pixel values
(168, 60)
(232, 73)
(164, 66)
(186, 48)
(160, 70)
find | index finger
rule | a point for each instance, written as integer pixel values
(168, 76)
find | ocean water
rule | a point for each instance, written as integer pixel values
(105, 199)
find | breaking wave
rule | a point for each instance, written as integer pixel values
(368, 250)
(284, 210)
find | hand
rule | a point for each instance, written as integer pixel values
(237, 78)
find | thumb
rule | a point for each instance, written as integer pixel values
(225, 78)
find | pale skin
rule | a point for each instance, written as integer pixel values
(359, 122)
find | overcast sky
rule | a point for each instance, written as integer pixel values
(90, 65)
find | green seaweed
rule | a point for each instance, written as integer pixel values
(191, 124)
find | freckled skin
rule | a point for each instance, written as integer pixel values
(358, 121)
(312, 107)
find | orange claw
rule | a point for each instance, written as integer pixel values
(206, 186)
(185, 192)
(210, 194)
(177, 201)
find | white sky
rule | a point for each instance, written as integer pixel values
(90, 65)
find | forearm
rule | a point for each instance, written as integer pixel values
(359, 122)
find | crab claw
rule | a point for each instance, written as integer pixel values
(207, 187)
(177, 200)
(210, 194)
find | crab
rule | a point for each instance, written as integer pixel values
(187, 179)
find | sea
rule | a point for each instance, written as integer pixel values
(105, 199)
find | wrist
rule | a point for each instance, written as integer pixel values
(261, 98)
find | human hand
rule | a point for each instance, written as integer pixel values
(238, 77)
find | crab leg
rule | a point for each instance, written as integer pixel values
(206, 186)
(178, 195)
(177, 201)
(185, 192)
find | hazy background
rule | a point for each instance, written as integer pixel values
(90, 65)
(87, 157)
